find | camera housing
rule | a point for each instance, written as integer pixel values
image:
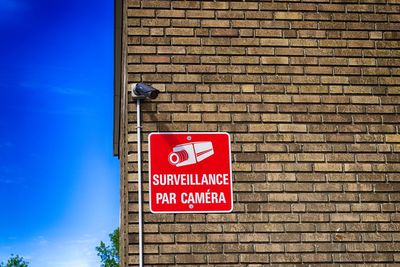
(145, 90)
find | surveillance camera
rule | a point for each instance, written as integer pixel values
(142, 89)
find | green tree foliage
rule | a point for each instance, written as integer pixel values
(15, 261)
(109, 254)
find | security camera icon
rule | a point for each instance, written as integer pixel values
(190, 153)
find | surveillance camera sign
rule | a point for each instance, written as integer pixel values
(190, 173)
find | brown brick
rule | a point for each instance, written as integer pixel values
(200, 50)
(181, 258)
(179, 32)
(282, 197)
(186, 117)
(285, 258)
(276, 118)
(230, 50)
(275, 60)
(168, 228)
(269, 248)
(254, 258)
(163, 258)
(170, 13)
(288, 15)
(224, 32)
(186, 5)
(185, 41)
(156, 59)
(230, 14)
(223, 258)
(216, 117)
(174, 249)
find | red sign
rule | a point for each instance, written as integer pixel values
(190, 173)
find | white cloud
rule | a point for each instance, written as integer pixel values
(6, 145)
(79, 252)
(56, 89)
(41, 251)
(42, 241)
(8, 180)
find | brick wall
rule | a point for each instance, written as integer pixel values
(308, 91)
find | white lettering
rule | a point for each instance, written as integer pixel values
(165, 198)
(184, 198)
(155, 179)
(190, 179)
(158, 197)
(203, 198)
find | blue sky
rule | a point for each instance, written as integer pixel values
(59, 183)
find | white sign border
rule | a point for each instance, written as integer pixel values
(190, 212)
